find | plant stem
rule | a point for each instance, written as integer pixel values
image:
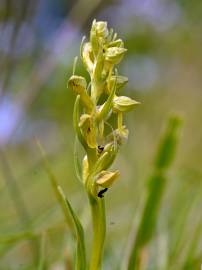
(120, 120)
(99, 230)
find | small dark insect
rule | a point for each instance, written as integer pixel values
(100, 148)
(101, 192)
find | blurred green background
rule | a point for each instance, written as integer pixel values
(38, 42)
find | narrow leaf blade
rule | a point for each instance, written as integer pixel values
(156, 187)
(81, 252)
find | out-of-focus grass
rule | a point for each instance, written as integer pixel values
(155, 191)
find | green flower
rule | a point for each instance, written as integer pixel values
(114, 55)
(87, 126)
(105, 179)
(118, 81)
(78, 85)
(123, 104)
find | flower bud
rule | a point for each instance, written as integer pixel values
(123, 104)
(78, 84)
(105, 179)
(87, 124)
(101, 29)
(114, 54)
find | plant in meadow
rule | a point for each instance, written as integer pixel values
(96, 101)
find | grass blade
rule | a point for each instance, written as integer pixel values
(81, 253)
(54, 184)
(14, 238)
(69, 214)
(41, 265)
(156, 187)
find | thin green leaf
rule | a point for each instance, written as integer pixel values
(77, 164)
(107, 105)
(81, 252)
(81, 47)
(156, 188)
(91, 152)
(54, 184)
(74, 64)
(42, 257)
(14, 238)
(167, 148)
(76, 123)
(192, 250)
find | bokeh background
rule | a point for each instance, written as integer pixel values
(38, 42)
